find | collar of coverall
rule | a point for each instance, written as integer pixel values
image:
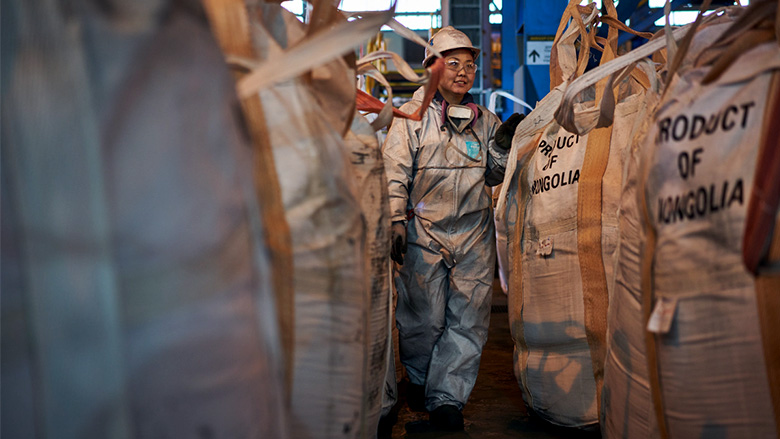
(468, 101)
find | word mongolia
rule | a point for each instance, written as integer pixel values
(700, 202)
(555, 181)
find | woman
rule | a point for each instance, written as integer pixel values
(439, 170)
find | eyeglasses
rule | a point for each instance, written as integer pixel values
(455, 66)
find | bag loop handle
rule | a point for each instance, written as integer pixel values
(430, 79)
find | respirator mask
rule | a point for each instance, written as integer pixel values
(459, 116)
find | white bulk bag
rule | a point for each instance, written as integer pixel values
(148, 305)
(628, 410)
(511, 209)
(556, 334)
(371, 183)
(304, 123)
(559, 366)
(181, 197)
(328, 238)
(704, 143)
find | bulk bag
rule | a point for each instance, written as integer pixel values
(328, 237)
(339, 354)
(511, 209)
(142, 298)
(370, 181)
(328, 251)
(626, 401)
(558, 314)
(700, 300)
(332, 333)
(627, 406)
(595, 209)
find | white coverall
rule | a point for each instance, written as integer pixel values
(444, 286)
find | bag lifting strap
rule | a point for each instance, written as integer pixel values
(768, 303)
(589, 228)
(648, 255)
(366, 102)
(516, 296)
(759, 234)
(589, 250)
(430, 78)
(560, 68)
(230, 24)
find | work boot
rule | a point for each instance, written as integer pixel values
(386, 423)
(447, 417)
(415, 397)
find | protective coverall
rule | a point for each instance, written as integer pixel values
(438, 182)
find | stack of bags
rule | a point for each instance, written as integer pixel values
(672, 322)
(196, 222)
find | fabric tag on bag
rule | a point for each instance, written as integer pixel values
(661, 319)
(545, 247)
(472, 149)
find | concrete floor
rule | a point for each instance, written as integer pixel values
(495, 409)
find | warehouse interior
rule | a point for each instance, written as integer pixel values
(390, 219)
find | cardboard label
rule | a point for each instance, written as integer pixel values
(545, 247)
(661, 319)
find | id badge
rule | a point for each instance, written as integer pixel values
(473, 149)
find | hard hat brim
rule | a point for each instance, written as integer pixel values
(429, 59)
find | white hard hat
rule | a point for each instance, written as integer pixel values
(448, 38)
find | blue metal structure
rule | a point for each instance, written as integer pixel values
(529, 20)
(526, 20)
